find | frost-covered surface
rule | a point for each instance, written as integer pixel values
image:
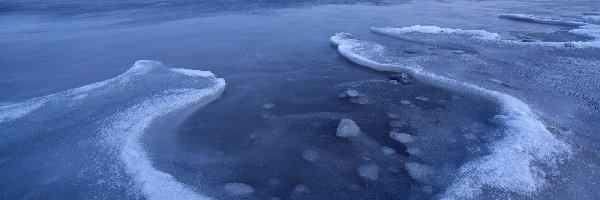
(273, 134)
(526, 142)
(115, 120)
(438, 30)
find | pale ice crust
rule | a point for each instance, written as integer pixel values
(584, 29)
(154, 183)
(526, 140)
(437, 30)
(121, 132)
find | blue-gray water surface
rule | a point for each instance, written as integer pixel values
(271, 133)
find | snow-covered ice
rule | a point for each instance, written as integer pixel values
(473, 103)
(522, 127)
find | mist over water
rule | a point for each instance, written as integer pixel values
(304, 99)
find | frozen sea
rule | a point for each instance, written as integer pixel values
(299, 99)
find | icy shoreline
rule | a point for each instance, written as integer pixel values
(526, 140)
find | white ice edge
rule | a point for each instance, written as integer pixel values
(125, 129)
(131, 124)
(437, 30)
(526, 140)
(18, 110)
(587, 30)
(541, 20)
(154, 183)
(190, 72)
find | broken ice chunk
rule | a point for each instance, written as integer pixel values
(370, 172)
(239, 189)
(301, 189)
(422, 98)
(396, 124)
(349, 94)
(413, 151)
(310, 155)
(401, 137)
(419, 172)
(268, 106)
(393, 115)
(347, 129)
(387, 151)
(360, 100)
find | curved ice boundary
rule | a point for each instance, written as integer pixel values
(127, 128)
(584, 29)
(511, 165)
(587, 30)
(15, 111)
(481, 34)
(541, 20)
(126, 106)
